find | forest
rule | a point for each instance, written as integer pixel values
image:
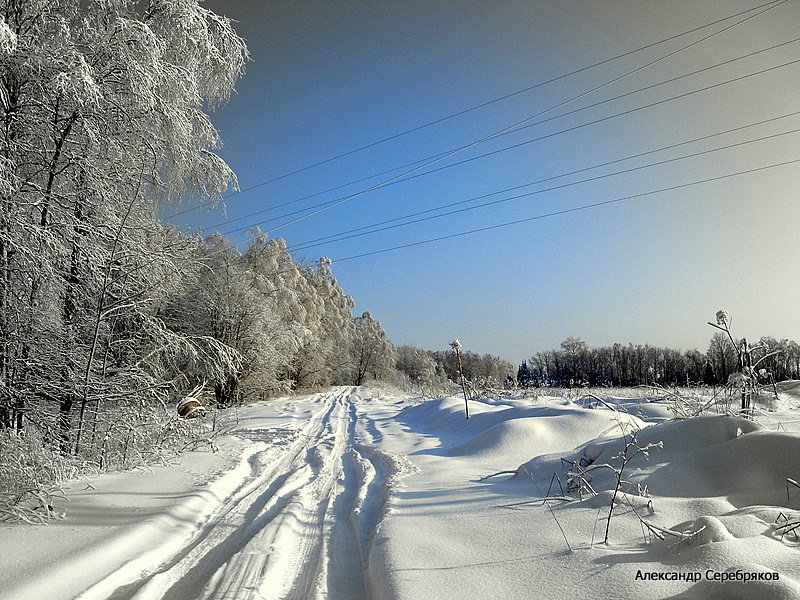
(108, 316)
(576, 363)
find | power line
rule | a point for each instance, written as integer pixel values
(294, 268)
(564, 211)
(550, 189)
(627, 112)
(518, 124)
(359, 231)
(665, 82)
(416, 162)
(473, 108)
(524, 143)
(499, 132)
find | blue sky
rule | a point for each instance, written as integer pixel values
(330, 77)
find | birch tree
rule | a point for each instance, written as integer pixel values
(324, 310)
(418, 365)
(244, 302)
(372, 352)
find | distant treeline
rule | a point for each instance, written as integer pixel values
(427, 367)
(575, 363)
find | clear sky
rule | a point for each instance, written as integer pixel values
(328, 77)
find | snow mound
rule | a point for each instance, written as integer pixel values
(698, 433)
(437, 413)
(706, 530)
(642, 504)
(551, 431)
(722, 456)
(505, 432)
(706, 456)
(651, 408)
(748, 522)
(710, 497)
(708, 465)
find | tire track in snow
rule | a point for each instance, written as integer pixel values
(365, 490)
(233, 572)
(302, 527)
(346, 561)
(230, 530)
(307, 568)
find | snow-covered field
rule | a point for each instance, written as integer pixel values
(357, 494)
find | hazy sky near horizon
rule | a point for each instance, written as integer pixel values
(328, 77)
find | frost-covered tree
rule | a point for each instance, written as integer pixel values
(524, 376)
(275, 276)
(260, 304)
(105, 313)
(576, 351)
(479, 369)
(792, 364)
(372, 352)
(217, 302)
(618, 364)
(289, 324)
(102, 119)
(323, 309)
(418, 365)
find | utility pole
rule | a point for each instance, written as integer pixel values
(456, 345)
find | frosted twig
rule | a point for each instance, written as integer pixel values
(514, 472)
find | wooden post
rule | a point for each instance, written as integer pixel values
(456, 345)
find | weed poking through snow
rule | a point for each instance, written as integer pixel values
(628, 453)
(749, 380)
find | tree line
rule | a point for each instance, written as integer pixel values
(576, 363)
(432, 369)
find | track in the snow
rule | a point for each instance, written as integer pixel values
(301, 526)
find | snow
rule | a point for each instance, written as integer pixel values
(358, 493)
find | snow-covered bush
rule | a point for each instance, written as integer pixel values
(31, 474)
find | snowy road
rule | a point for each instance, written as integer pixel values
(287, 509)
(299, 528)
